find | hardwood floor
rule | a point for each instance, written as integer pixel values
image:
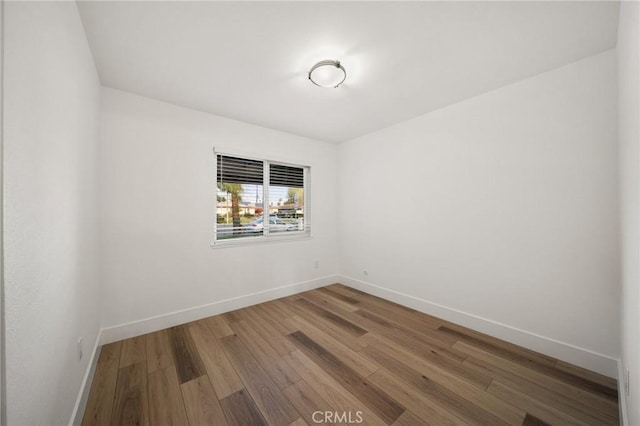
(337, 355)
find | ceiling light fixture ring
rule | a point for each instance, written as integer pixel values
(328, 73)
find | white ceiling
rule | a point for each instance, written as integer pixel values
(249, 61)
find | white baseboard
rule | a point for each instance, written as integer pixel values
(585, 358)
(160, 322)
(622, 396)
(85, 386)
(582, 357)
(149, 325)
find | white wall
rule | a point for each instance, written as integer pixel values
(629, 139)
(503, 206)
(2, 364)
(157, 204)
(51, 122)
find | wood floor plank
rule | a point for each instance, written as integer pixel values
(329, 389)
(364, 297)
(408, 419)
(133, 351)
(266, 311)
(427, 335)
(435, 392)
(391, 310)
(530, 420)
(342, 309)
(345, 325)
(589, 375)
(601, 404)
(434, 358)
(186, 357)
(429, 412)
(271, 402)
(531, 405)
(364, 323)
(233, 316)
(329, 327)
(349, 291)
(527, 353)
(223, 376)
(560, 401)
(306, 400)
(218, 326)
(354, 360)
(372, 300)
(240, 410)
(452, 381)
(402, 321)
(322, 299)
(281, 373)
(280, 307)
(401, 315)
(299, 422)
(409, 339)
(576, 379)
(415, 330)
(514, 353)
(159, 353)
(131, 406)
(201, 403)
(165, 398)
(273, 335)
(537, 363)
(100, 402)
(379, 402)
(337, 295)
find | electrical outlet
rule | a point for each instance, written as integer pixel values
(79, 347)
(626, 380)
(316, 264)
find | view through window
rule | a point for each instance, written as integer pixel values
(246, 207)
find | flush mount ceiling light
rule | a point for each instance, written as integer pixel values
(327, 73)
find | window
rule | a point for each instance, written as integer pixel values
(248, 208)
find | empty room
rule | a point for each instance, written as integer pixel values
(299, 213)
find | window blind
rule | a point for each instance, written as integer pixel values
(259, 199)
(239, 170)
(280, 175)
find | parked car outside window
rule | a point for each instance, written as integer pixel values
(275, 225)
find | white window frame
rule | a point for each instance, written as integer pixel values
(266, 237)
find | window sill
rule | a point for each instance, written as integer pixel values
(249, 241)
